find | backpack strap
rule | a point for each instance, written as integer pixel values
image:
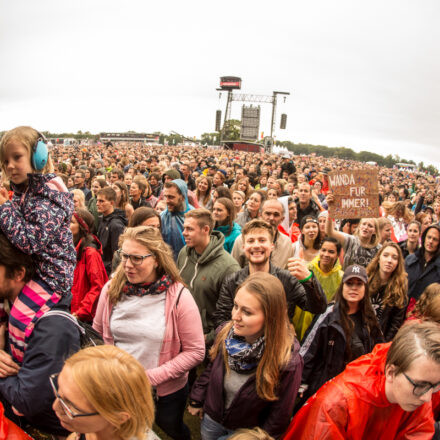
(178, 295)
(66, 315)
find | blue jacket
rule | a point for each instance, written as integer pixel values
(172, 222)
(53, 340)
(230, 235)
(418, 278)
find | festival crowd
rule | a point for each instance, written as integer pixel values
(139, 282)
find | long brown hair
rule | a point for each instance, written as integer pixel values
(397, 286)
(368, 317)
(208, 191)
(278, 332)
(152, 239)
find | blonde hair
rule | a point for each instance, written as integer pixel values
(375, 237)
(250, 434)
(27, 136)
(394, 208)
(428, 305)
(152, 239)
(278, 332)
(412, 341)
(113, 381)
(80, 194)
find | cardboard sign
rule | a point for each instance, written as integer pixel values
(356, 194)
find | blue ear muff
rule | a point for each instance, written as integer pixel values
(40, 154)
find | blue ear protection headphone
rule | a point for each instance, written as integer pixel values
(40, 153)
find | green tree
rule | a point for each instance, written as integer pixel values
(231, 130)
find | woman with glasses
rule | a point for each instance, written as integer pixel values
(145, 310)
(383, 395)
(102, 393)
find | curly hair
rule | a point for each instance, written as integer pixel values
(397, 285)
(428, 305)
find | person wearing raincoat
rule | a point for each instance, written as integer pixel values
(383, 395)
(328, 271)
(176, 196)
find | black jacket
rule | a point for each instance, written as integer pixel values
(53, 340)
(247, 409)
(419, 278)
(110, 228)
(312, 209)
(324, 349)
(308, 296)
(391, 318)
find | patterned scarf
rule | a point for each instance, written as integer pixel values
(242, 356)
(32, 302)
(155, 288)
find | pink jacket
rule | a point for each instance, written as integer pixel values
(183, 346)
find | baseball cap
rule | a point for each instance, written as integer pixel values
(355, 271)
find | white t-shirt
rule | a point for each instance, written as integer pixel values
(137, 324)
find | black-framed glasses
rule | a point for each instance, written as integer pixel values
(69, 413)
(422, 388)
(135, 259)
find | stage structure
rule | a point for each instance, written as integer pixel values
(250, 121)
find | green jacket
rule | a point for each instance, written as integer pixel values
(204, 274)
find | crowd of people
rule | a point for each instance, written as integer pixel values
(218, 284)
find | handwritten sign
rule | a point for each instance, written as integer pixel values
(356, 194)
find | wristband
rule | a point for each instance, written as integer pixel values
(306, 279)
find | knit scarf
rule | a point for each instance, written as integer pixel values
(155, 288)
(34, 300)
(242, 356)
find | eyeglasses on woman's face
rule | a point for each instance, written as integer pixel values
(53, 379)
(136, 260)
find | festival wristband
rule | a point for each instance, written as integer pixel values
(306, 279)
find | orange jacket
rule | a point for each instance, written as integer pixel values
(9, 430)
(353, 406)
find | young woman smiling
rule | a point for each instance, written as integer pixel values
(328, 271)
(252, 208)
(203, 191)
(388, 285)
(255, 369)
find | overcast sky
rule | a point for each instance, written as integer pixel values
(361, 74)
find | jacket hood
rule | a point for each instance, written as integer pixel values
(183, 188)
(213, 250)
(422, 247)
(116, 214)
(315, 264)
(371, 365)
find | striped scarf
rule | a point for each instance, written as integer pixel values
(32, 302)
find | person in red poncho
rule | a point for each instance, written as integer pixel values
(89, 276)
(383, 395)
